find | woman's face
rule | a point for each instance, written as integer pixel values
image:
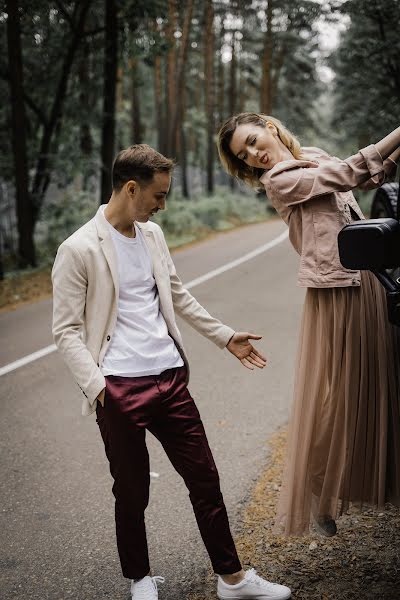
(258, 146)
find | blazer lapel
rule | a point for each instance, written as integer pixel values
(107, 247)
(160, 273)
(154, 251)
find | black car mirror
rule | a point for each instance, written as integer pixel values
(373, 244)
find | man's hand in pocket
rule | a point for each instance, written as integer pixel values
(100, 397)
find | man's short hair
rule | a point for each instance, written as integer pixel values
(139, 162)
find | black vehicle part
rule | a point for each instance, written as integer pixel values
(393, 306)
(384, 202)
(374, 245)
(392, 296)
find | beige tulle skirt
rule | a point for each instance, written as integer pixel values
(344, 435)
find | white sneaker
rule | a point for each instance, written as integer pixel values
(252, 587)
(146, 588)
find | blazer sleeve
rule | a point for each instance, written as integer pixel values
(69, 300)
(297, 184)
(187, 307)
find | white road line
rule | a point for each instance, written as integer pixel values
(238, 261)
(189, 285)
(27, 359)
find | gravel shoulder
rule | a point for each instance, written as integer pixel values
(361, 562)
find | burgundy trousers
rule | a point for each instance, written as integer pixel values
(163, 405)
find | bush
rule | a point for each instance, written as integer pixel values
(182, 222)
(190, 219)
(59, 218)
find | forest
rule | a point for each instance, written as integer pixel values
(79, 80)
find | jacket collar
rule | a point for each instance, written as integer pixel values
(145, 228)
(102, 225)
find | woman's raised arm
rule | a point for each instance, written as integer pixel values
(389, 144)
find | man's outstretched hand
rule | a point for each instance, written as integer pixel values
(241, 347)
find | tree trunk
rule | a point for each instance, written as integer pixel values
(1, 258)
(42, 173)
(177, 111)
(171, 72)
(265, 91)
(25, 218)
(183, 164)
(232, 78)
(279, 62)
(137, 126)
(158, 104)
(221, 81)
(119, 138)
(209, 84)
(242, 90)
(183, 149)
(86, 142)
(232, 92)
(109, 98)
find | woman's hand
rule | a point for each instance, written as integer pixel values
(395, 156)
(240, 346)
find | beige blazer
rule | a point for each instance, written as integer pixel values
(313, 196)
(85, 301)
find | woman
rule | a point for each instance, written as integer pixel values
(344, 437)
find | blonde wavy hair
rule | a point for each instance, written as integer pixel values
(238, 168)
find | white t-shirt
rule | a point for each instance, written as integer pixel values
(141, 344)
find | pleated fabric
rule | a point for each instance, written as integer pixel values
(344, 434)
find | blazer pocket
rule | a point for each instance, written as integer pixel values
(326, 227)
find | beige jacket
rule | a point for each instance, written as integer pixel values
(85, 301)
(313, 196)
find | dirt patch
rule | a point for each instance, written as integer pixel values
(25, 287)
(361, 562)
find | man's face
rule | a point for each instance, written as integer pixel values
(151, 198)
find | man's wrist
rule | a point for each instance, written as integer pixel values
(230, 339)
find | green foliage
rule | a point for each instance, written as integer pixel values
(47, 33)
(184, 220)
(294, 56)
(364, 99)
(367, 66)
(63, 214)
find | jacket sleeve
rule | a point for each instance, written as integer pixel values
(69, 300)
(302, 183)
(389, 167)
(187, 307)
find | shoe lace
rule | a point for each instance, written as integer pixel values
(158, 579)
(252, 577)
(147, 587)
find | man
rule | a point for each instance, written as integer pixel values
(116, 292)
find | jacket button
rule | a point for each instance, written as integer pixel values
(108, 338)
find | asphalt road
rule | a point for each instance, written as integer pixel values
(57, 524)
